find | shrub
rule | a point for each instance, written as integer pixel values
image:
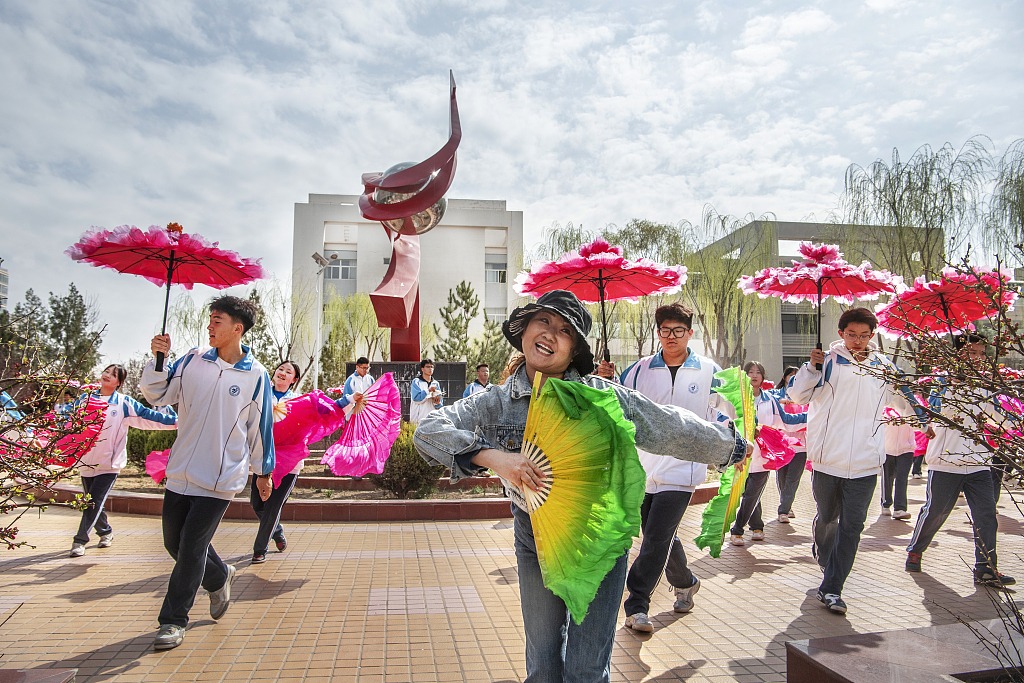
(137, 451)
(160, 440)
(406, 474)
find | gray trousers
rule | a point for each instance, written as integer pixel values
(943, 489)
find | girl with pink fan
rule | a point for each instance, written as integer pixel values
(100, 466)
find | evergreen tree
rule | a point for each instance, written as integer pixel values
(463, 305)
(72, 337)
(491, 348)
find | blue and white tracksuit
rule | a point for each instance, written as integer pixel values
(475, 387)
(957, 464)
(846, 444)
(225, 421)
(421, 403)
(356, 384)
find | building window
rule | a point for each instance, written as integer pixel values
(495, 271)
(341, 269)
(496, 315)
(796, 323)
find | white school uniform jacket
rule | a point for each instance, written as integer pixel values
(691, 390)
(110, 452)
(356, 384)
(899, 438)
(845, 436)
(951, 450)
(421, 404)
(225, 421)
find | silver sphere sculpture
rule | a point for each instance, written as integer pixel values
(424, 220)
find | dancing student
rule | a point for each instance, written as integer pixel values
(481, 383)
(845, 443)
(225, 427)
(787, 477)
(268, 511)
(486, 431)
(101, 465)
(956, 463)
(425, 393)
(359, 381)
(769, 413)
(900, 443)
(673, 376)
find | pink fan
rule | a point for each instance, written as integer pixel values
(776, 447)
(156, 465)
(307, 419)
(374, 425)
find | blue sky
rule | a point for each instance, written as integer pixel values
(223, 115)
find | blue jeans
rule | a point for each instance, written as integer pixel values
(558, 650)
(189, 523)
(842, 508)
(94, 516)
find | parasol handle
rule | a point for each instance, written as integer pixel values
(817, 366)
(604, 316)
(167, 301)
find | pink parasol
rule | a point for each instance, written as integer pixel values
(374, 425)
(823, 272)
(598, 272)
(951, 304)
(305, 419)
(165, 256)
(156, 465)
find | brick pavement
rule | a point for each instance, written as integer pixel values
(439, 602)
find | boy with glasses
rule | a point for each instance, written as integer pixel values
(845, 443)
(674, 376)
(360, 380)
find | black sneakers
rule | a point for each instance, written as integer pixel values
(832, 602)
(989, 577)
(913, 562)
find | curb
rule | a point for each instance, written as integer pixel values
(299, 510)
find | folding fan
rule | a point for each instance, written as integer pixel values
(587, 511)
(303, 420)
(156, 465)
(721, 510)
(373, 426)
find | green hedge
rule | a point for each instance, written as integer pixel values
(406, 474)
(142, 442)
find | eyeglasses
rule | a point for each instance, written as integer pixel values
(859, 337)
(677, 332)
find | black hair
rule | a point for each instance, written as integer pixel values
(362, 360)
(295, 367)
(790, 369)
(483, 365)
(754, 364)
(858, 315)
(425, 361)
(240, 310)
(677, 311)
(119, 372)
(962, 340)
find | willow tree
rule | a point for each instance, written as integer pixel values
(1006, 206)
(721, 249)
(911, 215)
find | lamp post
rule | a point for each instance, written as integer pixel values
(323, 263)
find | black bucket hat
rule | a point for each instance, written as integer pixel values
(564, 304)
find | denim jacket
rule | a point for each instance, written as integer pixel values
(450, 436)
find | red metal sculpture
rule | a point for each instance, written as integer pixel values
(408, 200)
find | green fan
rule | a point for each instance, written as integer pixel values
(587, 511)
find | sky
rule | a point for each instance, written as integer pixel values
(222, 115)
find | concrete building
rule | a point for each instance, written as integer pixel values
(788, 332)
(479, 241)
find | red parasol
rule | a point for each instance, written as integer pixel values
(165, 256)
(372, 428)
(823, 272)
(598, 272)
(951, 304)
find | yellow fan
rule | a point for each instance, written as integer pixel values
(587, 511)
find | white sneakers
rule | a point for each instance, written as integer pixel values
(77, 549)
(737, 540)
(900, 514)
(639, 623)
(684, 597)
(783, 519)
(106, 541)
(168, 637)
(757, 535)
